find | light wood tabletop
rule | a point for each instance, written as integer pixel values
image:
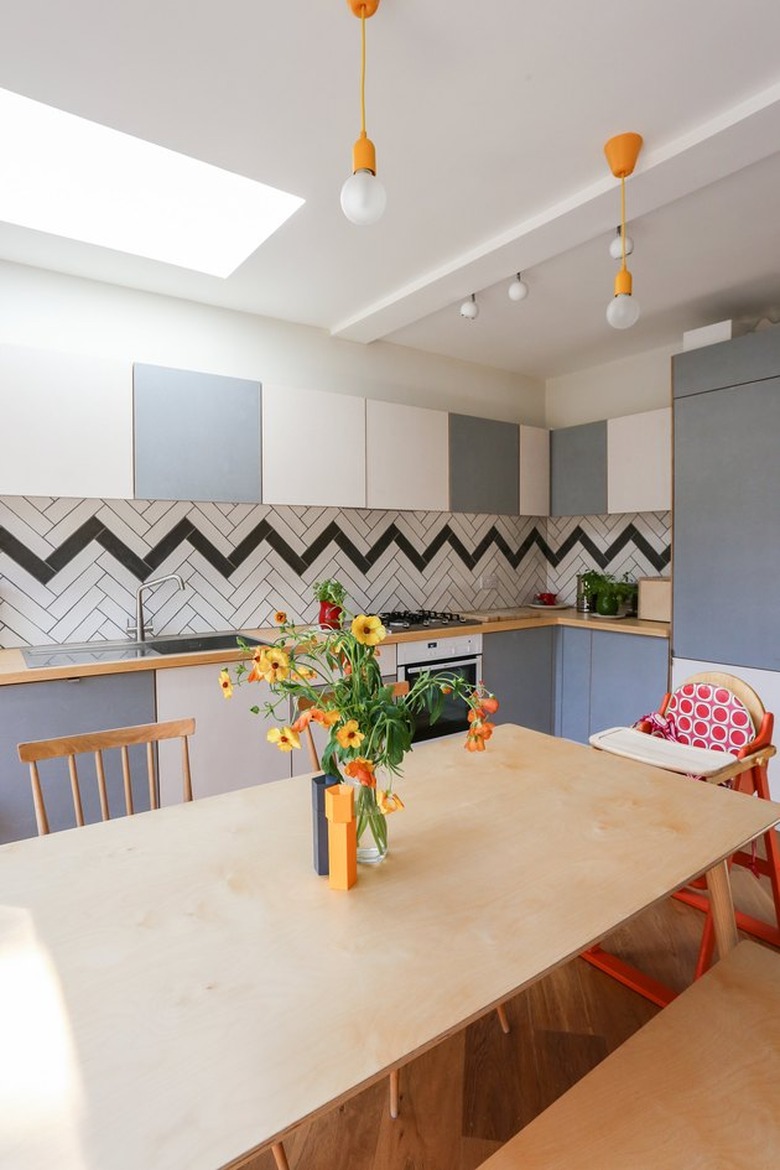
(178, 988)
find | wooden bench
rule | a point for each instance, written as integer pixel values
(698, 1088)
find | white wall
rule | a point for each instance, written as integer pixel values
(628, 386)
(48, 310)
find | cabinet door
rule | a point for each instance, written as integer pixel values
(229, 749)
(406, 460)
(68, 424)
(314, 448)
(629, 678)
(43, 710)
(534, 471)
(197, 436)
(730, 363)
(518, 667)
(572, 684)
(639, 462)
(484, 465)
(727, 526)
(578, 470)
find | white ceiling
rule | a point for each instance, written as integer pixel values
(489, 122)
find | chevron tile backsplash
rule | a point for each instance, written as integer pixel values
(69, 568)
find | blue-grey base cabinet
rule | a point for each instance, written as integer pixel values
(518, 667)
(605, 679)
(43, 710)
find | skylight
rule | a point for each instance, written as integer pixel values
(70, 177)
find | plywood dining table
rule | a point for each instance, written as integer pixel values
(179, 988)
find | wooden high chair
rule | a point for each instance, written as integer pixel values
(714, 716)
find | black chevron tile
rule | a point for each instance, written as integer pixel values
(75, 543)
(250, 542)
(25, 558)
(126, 557)
(206, 549)
(169, 543)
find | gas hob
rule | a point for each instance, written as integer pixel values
(397, 620)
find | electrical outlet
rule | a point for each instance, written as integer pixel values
(488, 581)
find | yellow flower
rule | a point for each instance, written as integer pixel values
(284, 738)
(350, 735)
(280, 617)
(271, 664)
(225, 683)
(302, 674)
(368, 630)
(388, 802)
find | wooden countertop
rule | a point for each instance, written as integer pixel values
(13, 668)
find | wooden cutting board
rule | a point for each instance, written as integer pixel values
(501, 615)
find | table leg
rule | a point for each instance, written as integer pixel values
(722, 904)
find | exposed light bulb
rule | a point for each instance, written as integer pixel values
(363, 198)
(623, 311)
(518, 289)
(470, 309)
(616, 246)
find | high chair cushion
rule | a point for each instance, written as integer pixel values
(707, 716)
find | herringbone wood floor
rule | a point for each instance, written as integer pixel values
(467, 1096)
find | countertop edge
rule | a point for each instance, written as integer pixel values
(13, 669)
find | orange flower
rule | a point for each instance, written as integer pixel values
(325, 718)
(388, 802)
(368, 630)
(362, 770)
(474, 743)
(284, 738)
(303, 720)
(280, 617)
(350, 735)
(490, 704)
(225, 683)
(482, 730)
(446, 690)
(475, 713)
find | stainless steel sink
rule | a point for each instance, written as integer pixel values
(79, 653)
(192, 643)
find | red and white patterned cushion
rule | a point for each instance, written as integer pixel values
(710, 717)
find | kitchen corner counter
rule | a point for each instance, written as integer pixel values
(13, 668)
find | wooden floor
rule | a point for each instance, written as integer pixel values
(461, 1101)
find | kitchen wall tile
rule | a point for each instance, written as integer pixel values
(70, 568)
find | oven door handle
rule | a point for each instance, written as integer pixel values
(440, 664)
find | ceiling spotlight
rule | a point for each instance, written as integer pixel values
(363, 197)
(470, 309)
(622, 153)
(518, 289)
(616, 245)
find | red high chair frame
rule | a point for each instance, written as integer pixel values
(753, 781)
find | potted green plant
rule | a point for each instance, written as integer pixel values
(330, 594)
(605, 594)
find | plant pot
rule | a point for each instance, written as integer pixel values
(330, 616)
(607, 604)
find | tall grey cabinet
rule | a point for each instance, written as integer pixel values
(726, 538)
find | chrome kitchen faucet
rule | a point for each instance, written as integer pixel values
(140, 628)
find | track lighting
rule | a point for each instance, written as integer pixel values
(518, 289)
(470, 309)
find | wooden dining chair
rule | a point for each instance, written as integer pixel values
(398, 689)
(96, 742)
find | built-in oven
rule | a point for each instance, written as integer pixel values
(460, 655)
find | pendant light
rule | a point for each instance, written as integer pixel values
(518, 289)
(363, 197)
(616, 244)
(622, 153)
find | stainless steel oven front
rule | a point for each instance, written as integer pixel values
(460, 655)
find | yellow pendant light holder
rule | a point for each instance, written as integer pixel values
(363, 197)
(622, 153)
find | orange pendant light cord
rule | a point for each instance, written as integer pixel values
(623, 220)
(362, 73)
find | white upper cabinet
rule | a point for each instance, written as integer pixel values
(67, 424)
(639, 462)
(534, 471)
(407, 457)
(314, 448)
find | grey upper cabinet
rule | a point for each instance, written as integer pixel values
(730, 363)
(197, 436)
(484, 465)
(578, 470)
(727, 524)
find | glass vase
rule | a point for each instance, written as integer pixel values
(371, 824)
